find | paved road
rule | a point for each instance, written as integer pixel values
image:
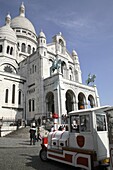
(17, 154)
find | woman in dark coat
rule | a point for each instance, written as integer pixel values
(32, 132)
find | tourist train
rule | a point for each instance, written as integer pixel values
(85, 144)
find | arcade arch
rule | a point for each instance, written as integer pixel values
(70, 100)
(91, 101)
(50, 102)
(81, 101)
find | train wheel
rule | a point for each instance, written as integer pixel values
(43, 155)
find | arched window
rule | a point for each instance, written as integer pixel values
(23, 47)
(19, 97)
(1, 48)
(29, 49)
(61, 42)
(13, 94)
(6, 96)
(8, 48)
(61, 45)
(11, 51)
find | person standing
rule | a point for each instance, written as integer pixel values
(32, 132)
(38, 134)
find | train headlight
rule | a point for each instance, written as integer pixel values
(105, 161)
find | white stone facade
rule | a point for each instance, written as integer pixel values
(39, 78)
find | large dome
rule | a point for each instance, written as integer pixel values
(22, 22)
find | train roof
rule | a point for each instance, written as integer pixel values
(101, 108)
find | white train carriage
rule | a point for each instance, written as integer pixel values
(85, 145)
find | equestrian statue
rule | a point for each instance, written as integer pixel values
(55, 65)
(91, 79)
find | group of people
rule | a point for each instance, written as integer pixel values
(34, 134)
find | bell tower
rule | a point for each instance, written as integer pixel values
(78, 76)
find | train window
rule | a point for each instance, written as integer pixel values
(85, 123)
(75, 124)
(101, 122)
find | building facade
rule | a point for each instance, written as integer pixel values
(38, 79)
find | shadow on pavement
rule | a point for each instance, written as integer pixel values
(27, 142)
(35, 163)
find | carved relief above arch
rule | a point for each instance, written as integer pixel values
(8, 68)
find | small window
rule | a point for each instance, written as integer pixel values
(24, 32)
(29, 49)
(33, 105)
(8, 48)
(6, 96)
(75, 123)
(17, 30)
(11, 51)
(101, 122)
(23, 47)
(85, 123)
(29, 33)
(13, 94)
(19, 98)
(29, 105)
(1, 48)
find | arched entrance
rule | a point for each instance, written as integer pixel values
(70, 100)
(50, 102)
(81, 101)
(91, 102)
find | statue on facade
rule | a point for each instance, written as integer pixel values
(55, 65)
(91, 79)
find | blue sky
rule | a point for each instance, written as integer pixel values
(87, 26)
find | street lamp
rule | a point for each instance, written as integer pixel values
(1, 123)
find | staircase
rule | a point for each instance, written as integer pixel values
(20, 133)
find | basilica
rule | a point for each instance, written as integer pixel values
(39, 78)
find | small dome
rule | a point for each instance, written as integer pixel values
(74, 53)
(7, 32)
(41, 34)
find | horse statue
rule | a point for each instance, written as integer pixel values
(55, 65)
(91, 78)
